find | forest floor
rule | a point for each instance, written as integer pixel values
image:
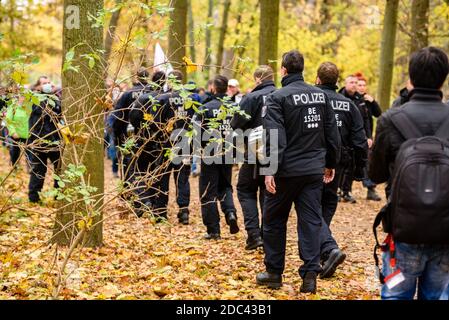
(142, 260)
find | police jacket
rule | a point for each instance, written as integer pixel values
(215, 125)
(360, 102)
(350, 125)
(251, 105)
(44, 119)
(308, 139)
(427, 111)
(121, 110)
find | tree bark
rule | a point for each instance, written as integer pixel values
(269, 29)
(110, 35)
(223, 30)
(207, 60)
(83, 115)
(387, 53)
(420, 25)
(177, 35)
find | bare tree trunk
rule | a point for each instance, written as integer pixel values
(83, 115)
(269, 29)
(191, 28)
(177, 35)
(207, 60)
(223, 30)
(387, 53)
(110, 35)
(420, 25)
(144, 59)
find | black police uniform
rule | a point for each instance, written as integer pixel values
(308, 142)
(215, 178)
(353, 141)
(250, 182)
(120, 121)
(359, 101)
(43, 129)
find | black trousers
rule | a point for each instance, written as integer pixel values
(181, 174)
(215, 185)
(39, 161)
(305, 192)
(15, 150)
(249, 187)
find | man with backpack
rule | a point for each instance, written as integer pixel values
(411, 154)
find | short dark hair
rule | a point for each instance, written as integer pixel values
(328, 73)
(293, 61)
(428, 68)
(143, 75)
(177, 75)
(159, 78)
(264, 72)
(221, 84)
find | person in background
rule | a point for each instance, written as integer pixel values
(374, 110)
(234, 91)
(17, 117)
(403, 95)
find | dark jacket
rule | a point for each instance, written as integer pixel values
(427, 111)
(120, 119)
(44, 119)
(350, 126)
(374, 110)
(402, 99)
(360, 102)
(308, 139)
(252, 105)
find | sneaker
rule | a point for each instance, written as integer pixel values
(183, 216)
(347, 197)
(253, 243)
(372, 195)
(231, 220)
(309, 283)
(271, 280)
(331, 261)
(212, 236)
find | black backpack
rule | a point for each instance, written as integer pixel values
(417, 211)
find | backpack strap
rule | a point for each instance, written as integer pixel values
(405, 126)
(443, 130)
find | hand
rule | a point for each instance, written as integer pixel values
(270, 184)
(329, 175)
(369, 98)
(15, 136)
(370, 143)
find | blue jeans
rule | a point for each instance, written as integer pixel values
(425, 267)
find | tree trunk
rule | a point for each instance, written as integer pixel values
(83, 115)
(110, 35)
(387, 53)
(420, 25)
(191, 28)
(207, 60)
(177, 35)
(223, 30)
(269, 29)
(144, 59)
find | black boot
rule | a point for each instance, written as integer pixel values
(254, 241)
(372, 195)
(183, 216)
(331, 261)
(212, 236)
(271, 280)
(231, 220)
(309, 283)
(347, 197)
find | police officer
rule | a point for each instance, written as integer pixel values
(216, 175)
(350, 92)
(147, 149)
(250, 182)
(307, 147)
(353, 141)
(44, 139)
(120, 121)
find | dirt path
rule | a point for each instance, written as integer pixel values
(141, 260)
